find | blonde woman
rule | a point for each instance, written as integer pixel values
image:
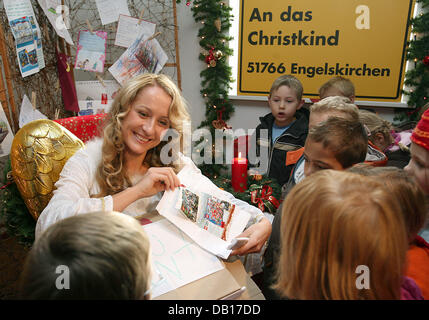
(124, 171)
(102, 255)
(343, 237)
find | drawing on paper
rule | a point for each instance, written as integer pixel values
(208, 212)
(217, 215)
(189, 204)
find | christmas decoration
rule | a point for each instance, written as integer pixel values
(239, 173)
(18, 221)
(39, 151)
(262, 196)
(68, 88)
(219, 123)
(214, 18)
(263, 192)
(417, 79)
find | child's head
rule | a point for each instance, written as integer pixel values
(337, 86)
(285, 98)
(419, 163)
(336, 143)
(405, 190)
(102, 255)
(332, 106)
(379, 128)
(333, 222)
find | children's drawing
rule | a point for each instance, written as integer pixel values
(189, 204)
(26, 45)
(216, 215)
(6, 134)
(142, 56)
(91, 51)
(208, 212)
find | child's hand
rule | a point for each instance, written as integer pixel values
(258, 234)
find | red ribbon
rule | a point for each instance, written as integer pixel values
(210, 56)
(266, 194)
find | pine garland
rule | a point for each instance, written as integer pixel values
(18, 221)
(418, 77)
(214, 17)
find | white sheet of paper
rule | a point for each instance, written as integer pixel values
(6, 134)
(20, 8)
(196, 182)
(57, 22)
(177, 258)
(27, 113)
(109, 10)
(93, 98)
(141, 57)
(129, 29)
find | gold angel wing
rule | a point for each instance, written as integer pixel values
(39, 151)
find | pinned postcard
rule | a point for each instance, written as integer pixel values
(91, 51)
(109, 10)
(28, 113)
(143, 56)
(204, 213)
(22, 8)
(94, 98)
(6, 134)
(25, 46)
(130, 28)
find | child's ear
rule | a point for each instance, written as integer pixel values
(352, 99)
(301, 103)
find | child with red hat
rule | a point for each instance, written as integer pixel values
(418, 254)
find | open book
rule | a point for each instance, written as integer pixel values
(208, 215)
(208, 212)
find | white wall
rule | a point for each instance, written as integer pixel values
(247, 112)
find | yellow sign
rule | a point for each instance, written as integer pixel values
(364, 41)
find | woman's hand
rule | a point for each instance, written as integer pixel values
(152, 182)
(156, 180)
(258, 234)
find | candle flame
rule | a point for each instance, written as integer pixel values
(239, 154)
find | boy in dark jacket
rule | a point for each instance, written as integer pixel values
(336, 143)
(280, 132)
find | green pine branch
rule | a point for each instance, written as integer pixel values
(417, 79)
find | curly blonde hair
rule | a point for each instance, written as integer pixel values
(111, 174)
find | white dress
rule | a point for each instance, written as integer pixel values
(77, 184)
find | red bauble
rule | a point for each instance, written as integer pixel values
(426, 60)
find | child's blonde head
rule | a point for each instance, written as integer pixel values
(379, 128)
(335, 105)
(333, 222)
(289, 81)
(405, 189)
(342, 86)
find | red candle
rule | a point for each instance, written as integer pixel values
(239, 174)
